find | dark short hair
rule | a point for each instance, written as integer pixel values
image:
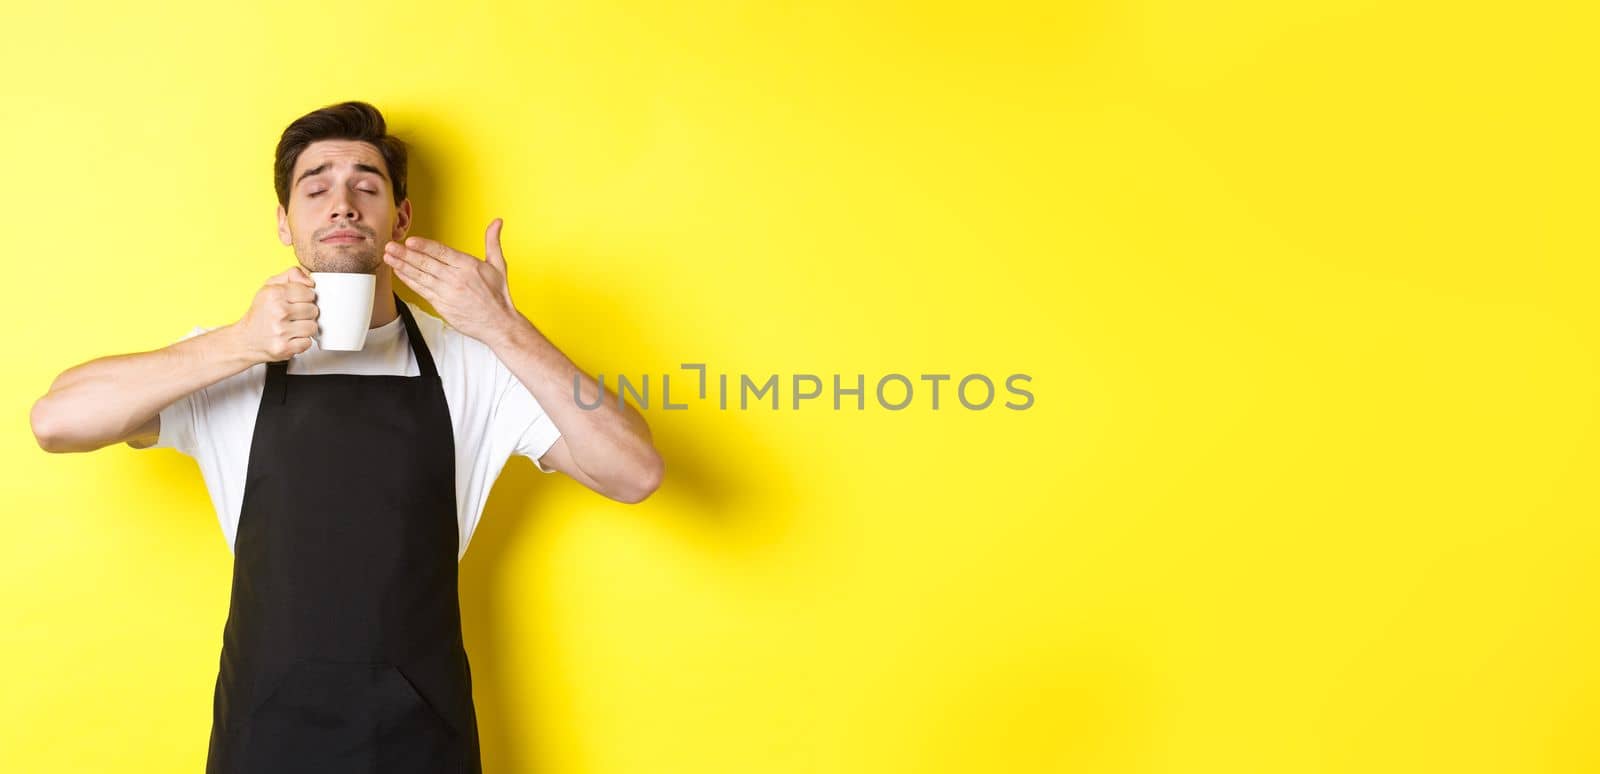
(344, 121)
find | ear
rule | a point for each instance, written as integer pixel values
(283, 227)
(402, 220)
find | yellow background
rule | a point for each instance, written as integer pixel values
(1305, 290)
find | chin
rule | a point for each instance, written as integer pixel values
(348, 262)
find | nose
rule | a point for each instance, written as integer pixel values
(343, 209)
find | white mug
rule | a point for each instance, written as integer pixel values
(344, 309)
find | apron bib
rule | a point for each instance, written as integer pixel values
(342, 651)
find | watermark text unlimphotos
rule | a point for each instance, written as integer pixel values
(894, 392)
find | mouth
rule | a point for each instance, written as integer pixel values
(343, 239)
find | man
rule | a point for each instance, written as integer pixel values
(347, 484)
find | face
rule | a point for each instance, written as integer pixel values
(341, 208)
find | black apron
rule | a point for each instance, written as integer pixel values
(342, 651)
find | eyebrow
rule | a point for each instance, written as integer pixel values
(323, 167)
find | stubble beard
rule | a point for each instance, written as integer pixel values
(359, 258)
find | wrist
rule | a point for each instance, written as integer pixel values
(234, 348)
(510, 332)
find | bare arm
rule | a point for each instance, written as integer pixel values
(611, 451)
(608, 449)
(120, 397)
(112, 398)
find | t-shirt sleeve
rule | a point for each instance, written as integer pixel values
(520, 420)
(178, 420)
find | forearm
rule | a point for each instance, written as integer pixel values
(611, 443)
(105, 400)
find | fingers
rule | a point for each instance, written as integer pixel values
(303, 310)
(414, 278)
(402, 257)
(289, 338)
(417, 280)
(293, 275)
(425, 245)
(439, 252)
(298, 294)
(282, 318)
(300, 329)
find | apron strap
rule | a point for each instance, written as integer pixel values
(278, 380)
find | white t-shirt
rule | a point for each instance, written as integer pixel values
(492, 414)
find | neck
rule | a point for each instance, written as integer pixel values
(383, 309)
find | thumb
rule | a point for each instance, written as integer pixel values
(293, 274)
(491, 245)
